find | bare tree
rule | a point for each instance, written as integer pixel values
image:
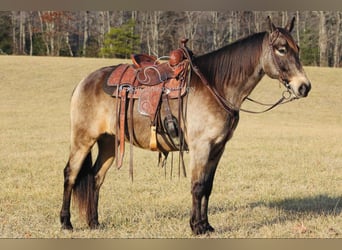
(258, 19)
(190, 26)
(337, 45)
(297, 27)
(30, 31)
(42, 32)
(323, 40)
(221, 28)
(22, 37)
(14, 33)
(153, 20)
(18, 31)
(85, 32)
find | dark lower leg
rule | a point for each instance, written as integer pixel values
(65, 211)
(103, 162)
(199, 218)
(204, 215)
(93, 219)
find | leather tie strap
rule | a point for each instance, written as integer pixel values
(123, 95)
(131, 136)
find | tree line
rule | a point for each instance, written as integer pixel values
(120, 33)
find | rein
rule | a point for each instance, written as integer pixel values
(285, 98)
(287, 95)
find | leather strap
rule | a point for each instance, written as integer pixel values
(131, 137)
(122, 116)
(117, 114)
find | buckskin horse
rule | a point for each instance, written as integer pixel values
(220, 81)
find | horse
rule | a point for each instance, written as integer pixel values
(227, 77)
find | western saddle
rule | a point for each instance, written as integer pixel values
(151, 83)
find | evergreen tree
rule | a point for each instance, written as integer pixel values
(309, 50)
(120, 42)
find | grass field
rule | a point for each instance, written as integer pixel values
(280, 176)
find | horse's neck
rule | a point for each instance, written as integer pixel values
(237, 93)
(230, 76)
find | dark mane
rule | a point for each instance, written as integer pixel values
(233, 63)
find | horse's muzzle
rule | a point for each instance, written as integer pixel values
(304, 89)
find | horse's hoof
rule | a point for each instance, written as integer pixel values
(94, 225)
(201, 228)
(67, 226)
(210, 228)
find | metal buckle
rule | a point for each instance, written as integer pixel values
(126, 86)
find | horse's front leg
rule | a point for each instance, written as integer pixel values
(203, 163)
(199, 217)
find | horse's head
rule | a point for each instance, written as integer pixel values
(281, 59)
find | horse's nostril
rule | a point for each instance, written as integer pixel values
(304, 89)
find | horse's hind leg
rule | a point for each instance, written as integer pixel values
(79, 157)
(105, 158)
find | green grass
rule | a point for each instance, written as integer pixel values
(280, 176)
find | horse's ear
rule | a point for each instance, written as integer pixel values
(289, 26)
(271, 26)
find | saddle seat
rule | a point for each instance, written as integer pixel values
(143, 60)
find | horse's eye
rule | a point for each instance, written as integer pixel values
(281, 51)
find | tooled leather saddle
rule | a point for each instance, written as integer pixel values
(151, 83)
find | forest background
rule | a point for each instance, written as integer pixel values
(117, 34)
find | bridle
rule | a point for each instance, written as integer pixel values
(287, 96)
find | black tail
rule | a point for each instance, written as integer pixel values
(84, 190)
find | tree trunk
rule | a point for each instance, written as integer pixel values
(284, 18)
(22, 39)
(323, 40)
(153, 36)
(43, 33)
(14, 33)
(257, 21)
(237, 25)
(230, 24)
(297, 28)
(30, 29)
(85, 33)
(103, 29)
(190, 27)
(214, 19)
(337, 40)
(107, 21)
(68, 43)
